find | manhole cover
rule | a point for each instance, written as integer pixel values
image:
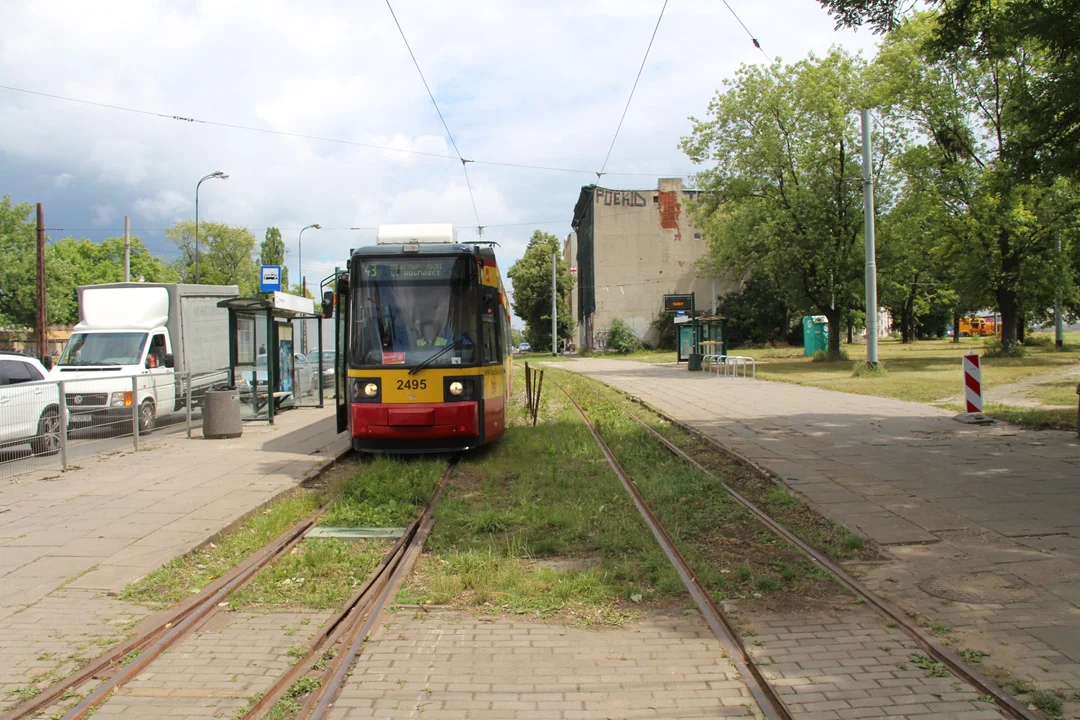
(980, 588)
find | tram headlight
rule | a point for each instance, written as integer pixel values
(371, 390)
(456, 388)
(364, 390)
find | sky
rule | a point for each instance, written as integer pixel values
(517, 81)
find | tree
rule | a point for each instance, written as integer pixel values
(18, 267)
(516, 336)
(992, 30)
(784, 197)
(225, 254)
(998, 225)
(756, 313)
(272, 252)
(531, 276)
(83, 262)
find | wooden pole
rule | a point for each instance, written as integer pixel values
(42, 320)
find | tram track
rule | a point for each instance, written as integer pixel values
(348, 627)
(762, 690)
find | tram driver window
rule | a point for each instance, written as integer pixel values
(488, 320)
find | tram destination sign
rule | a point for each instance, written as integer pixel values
(409, 270)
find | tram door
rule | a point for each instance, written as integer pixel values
(341, 351)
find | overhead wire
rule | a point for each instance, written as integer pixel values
(464, 162)
(632, 90)
(750, 34)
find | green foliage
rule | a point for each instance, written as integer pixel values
(621, 337)
(667, 333)
(1048, 702)
(226, 255)
(994, 348)
(930, 668)
(863, 369)
(531, 278)
(272, 252)
(784, 195)
(821, 356)
(755, 314)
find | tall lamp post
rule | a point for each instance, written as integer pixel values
(300, 250)
(303, 285)
(217, 174)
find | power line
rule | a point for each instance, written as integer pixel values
(752, 38)
(468, 182)
(320, 138)
(627, 108)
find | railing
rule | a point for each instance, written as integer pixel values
(729, 365)
(51, 424)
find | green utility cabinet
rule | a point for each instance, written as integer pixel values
(815, 334)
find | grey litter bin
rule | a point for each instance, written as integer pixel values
(221, 414)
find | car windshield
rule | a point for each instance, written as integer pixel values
(409, 310)
(117, 348)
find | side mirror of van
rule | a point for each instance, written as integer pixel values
(328, 304)
(47, 362)
(170, 360)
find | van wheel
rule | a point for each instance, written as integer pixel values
(146, 417)
(47, 440)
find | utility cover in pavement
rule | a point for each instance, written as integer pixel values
(982, 588)
(360, 533)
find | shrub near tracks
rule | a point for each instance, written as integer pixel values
(732, 553)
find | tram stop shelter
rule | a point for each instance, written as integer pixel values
(713, 338)
(291, 374)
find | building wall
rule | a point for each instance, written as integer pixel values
(645, 247)
(570, 255)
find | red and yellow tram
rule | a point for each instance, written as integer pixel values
(423, 343)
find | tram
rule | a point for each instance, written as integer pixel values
(422, 333)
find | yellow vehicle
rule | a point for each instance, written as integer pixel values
(986, 326)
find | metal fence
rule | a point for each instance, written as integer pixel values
(728, 365)
(52, 424)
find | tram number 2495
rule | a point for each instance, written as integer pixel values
(412, 384)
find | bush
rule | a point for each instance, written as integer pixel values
(863, 369)
(822, 356)
(667, 334)
(621, 338)
(992, 348)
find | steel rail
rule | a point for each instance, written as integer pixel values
(937, 650)
(766, 696)
(320, 701)
(107, 662)
(202, 609)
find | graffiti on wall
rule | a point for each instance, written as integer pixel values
(600, 339)
(628, 198)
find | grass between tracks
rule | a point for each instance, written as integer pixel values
(539, 524)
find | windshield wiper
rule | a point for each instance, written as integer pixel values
(434, 357)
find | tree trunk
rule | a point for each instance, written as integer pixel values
(956, 327)
(850, 333)
(1020, 327)
(834, 315)
(1008, 304)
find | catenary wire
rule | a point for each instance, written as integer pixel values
(632, 89)
(464, 162)
(752, 38)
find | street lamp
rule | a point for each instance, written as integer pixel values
(300, 250)
(220, 176)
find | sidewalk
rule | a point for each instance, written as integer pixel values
(70, 542)
(985, 518)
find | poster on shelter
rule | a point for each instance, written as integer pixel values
(686, 343)
(285, 365)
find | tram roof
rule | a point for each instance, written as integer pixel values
(425, 249)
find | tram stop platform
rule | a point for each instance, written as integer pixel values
(69, 542)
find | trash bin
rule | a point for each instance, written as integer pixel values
(694, 363)
(221, 414)
(815, 334)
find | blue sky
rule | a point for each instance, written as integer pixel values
(519, 82)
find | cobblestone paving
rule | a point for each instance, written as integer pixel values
(450, 665)
(217, 668)
(950, 502)
(851, 665)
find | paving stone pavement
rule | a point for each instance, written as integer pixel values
(68, 541)
(450, 665)
(988, 511)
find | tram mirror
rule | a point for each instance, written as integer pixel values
(328, 304)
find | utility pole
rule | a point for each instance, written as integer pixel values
(1059, 321)
(127, 248)
(714, 298)
(554, 306)
(43, 328)
(871, 254)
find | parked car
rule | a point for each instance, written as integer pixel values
(524, 347)
(329, 357)
(29, 410)
(305, 376)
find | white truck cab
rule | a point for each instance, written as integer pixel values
(131, 349)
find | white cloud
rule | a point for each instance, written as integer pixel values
(104, 215)
(517, 81)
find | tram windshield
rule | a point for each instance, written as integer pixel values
(410, 310)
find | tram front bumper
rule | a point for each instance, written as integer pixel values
(415, 427)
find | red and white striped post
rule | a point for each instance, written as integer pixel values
(973, 399)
